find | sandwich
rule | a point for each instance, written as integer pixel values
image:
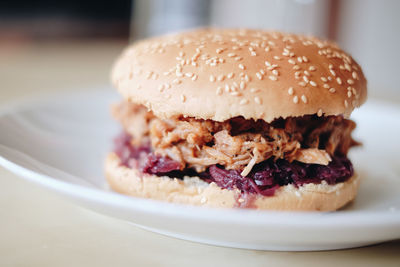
(236, 118)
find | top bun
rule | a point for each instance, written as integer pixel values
(219, 74)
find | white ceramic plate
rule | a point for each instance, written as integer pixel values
(60, 143)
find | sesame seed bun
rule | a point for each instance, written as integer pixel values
(192, 190)
(218, 74)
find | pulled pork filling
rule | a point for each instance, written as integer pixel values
(253, 156)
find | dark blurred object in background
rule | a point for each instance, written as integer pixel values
(64, 19)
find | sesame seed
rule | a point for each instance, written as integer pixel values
(355, 76)
(277, 58)
(275, 72)
(231, 55)
(227, 88)
(333, 72)
(272, 78)
(194, 77)
(166, 73)
(176, 81)
(259, 76)
(305, 59)
(243, 102)
(326, 86)
(304, 99)
(235, 93)
(149, 74)
(324, 79)
(238, 58)
(330, 66)
(253, 53)
(339, 81)
(241, 66)
(319, 113)
(296, 67)
(220, 77)
(267, 64)
(219, 90)
(290, 91)
(300, 59)
(161, 87)
(307, 73)
(302, 83)
(291, 61)
(240, 200)
(183, 98)
(348, 94)
(350, 81)
(332, 90)
(219, 50)
(295, 99)
(230, 75)
(212, 78)
(242, 85)
(257, 100)
(305, 78)
(313, 83)
(312, 68)
(267, 49)
(346, 104)
(189, 74)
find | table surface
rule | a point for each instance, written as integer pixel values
(39, 228)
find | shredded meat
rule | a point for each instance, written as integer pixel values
(237, 143)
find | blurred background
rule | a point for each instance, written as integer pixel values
(69, 44)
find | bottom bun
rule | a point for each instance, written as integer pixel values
(194, 191)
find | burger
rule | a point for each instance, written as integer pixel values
(236, 118)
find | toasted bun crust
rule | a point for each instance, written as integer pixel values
(218, 74)
(192, 190)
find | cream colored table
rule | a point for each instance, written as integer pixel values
(39, 228)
